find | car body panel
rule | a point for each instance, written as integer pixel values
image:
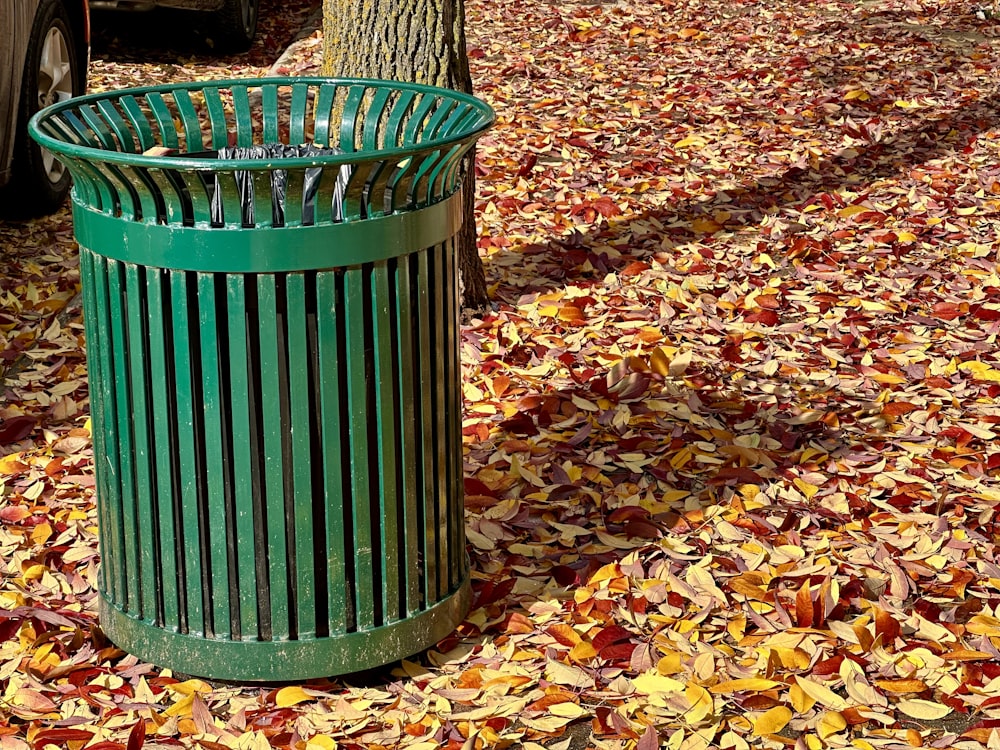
(210, 5)
(17, 16)
(16, 20)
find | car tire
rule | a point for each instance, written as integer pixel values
(39, 182)
(236, 24)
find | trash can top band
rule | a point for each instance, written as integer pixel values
(268, 250)
(119, 127)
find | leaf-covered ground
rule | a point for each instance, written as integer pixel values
(731, 443)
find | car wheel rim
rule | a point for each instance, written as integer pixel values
(55, 84)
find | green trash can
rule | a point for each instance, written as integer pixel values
(273, 354)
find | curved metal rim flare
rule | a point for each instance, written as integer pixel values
(37, 125)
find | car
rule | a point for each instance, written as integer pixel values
(235, 21)
(44, 51)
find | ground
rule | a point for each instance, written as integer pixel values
(729, 429)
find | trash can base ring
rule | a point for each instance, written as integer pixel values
(277, 661)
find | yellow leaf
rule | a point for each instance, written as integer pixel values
(745, 685)
(801, 701)
(859, 94)
(830, 724)
(291, 695)
(966, 210)
(690, 141)
(670, 664)
(651, 682)
(805, 488)
(820, 693)
(12, 464)
(549, 724)
(41, 533)
(582, 651)
(921, 709)
(190, 687)
(701, 702)
(321, 742)
(181, 707)
(706, 226)
(567, 710)
(659, 361)
(736, 627)
(903, 104)
(906, 237)
(981, 371)
(772, 721)
(848, 211)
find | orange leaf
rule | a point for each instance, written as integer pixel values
(886, 626)
(902, 686)
(804, 612)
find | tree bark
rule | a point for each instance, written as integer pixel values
(410, 40)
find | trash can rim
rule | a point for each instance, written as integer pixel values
(93, 154)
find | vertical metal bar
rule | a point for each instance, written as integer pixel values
(456, 492)
(216, 117)
(349, 118)
(273, 466)
(146, 521)
(386, 420)
(357, 396)
(242, 460)
(324, 111)
(164, 119)
(425, 442)
(138, 119)
(214, 502)
(162, 421)
(440, 406)
(94, 321)
(123, 400)
(269, 112)
(244, 119)
(187, 455)
(328, 307)
(410, 494)
(298, 393)
(193, 136)
(297, 114)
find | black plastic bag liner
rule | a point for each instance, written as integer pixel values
(279, 182)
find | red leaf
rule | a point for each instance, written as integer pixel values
(18, 428)
(610, 635)
(947, 310)
(986, 313)
(827, 666)
(137, 736)
(58, 736)
(641, 529)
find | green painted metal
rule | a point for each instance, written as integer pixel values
(254, 251)
(276, 408)
(286, 660)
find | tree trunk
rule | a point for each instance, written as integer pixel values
(410, 40)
